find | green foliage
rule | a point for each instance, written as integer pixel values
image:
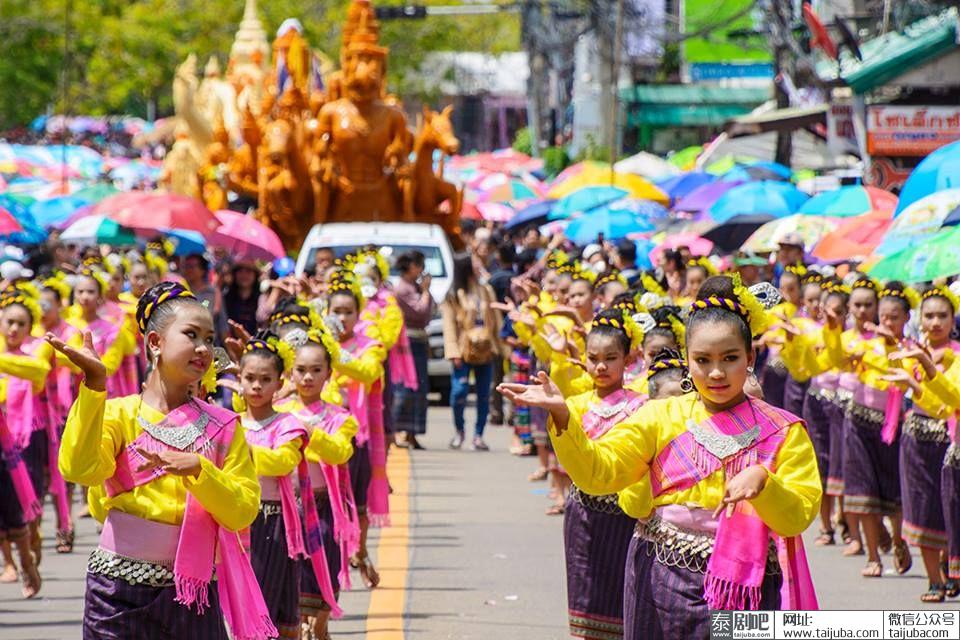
(523, 142)
(555, 160)
(594, 151)
(123, 53)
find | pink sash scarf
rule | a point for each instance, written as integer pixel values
(105, 334)
(736, 569)
(203, 543)
(615, 408)
(336, 478)
(368, 409)
(282, 430)
(20, 477)
(403, 370)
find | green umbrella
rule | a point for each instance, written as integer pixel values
(94, 230)
(95, 193)
(685, 158)
(935, 257)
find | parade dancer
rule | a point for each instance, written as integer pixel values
(281, 443)
(752, 490)
(174, 483)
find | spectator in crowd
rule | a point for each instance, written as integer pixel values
(323, 260)
(471, 328)
(626, 261)
(790, 252)
(412, 291)
(195, 270)
(242, 297)
(500, 283)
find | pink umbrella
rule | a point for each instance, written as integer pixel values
(158, 212)
(8, 224)
(246, 238)
(496, 211)
(698, 245)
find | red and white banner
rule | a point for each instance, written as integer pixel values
(910, 130)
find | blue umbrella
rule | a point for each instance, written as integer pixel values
(49, 213)
(678, 186)
(644, 247)
(938, 171)
(775, 167)
(535, 213)
(777, 199)
(613, 224)
(186, 243)
(32, 232)
(645, 209)
(585, 199)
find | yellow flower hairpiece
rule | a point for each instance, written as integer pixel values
(796, 269)
(613, 276)
(651, 285)
(25, 301)
(633, 330)
(911, 297)
(323, 337)
(704, 263)
(579, 273)
(345, 281)
(58, 284)
(209, 379)
(757, 316)
(945, 293)
(679, 331)
(98, 276)
(279, 347)
(29, 289)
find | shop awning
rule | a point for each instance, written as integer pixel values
(789, 119)
(681, 105)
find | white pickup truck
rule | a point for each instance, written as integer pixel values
(396, 238)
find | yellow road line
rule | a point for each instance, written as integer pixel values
(388, 601)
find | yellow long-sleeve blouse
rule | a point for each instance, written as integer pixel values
(940, 397)
(34, 368)
(330, 448)
(98, 429)
(389, 322)
(788, 503)
(366, 368)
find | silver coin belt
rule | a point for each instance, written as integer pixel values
(675, 546)
(926, 429)
(952, 458)
(842, 398)
(112, 565)
(777, 365)
(271, 507)
(824, 395)
(872, 417)
(601, 504)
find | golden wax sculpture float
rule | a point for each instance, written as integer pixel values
(303, 149)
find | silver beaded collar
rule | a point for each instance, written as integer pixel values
(179, 437)
(722, 445)
(607, 411)
(258, 425)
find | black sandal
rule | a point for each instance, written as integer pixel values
(65, 540)
(825, 539)
(902, 560)
(934, 594)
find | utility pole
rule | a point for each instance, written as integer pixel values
(780, 31)
(615, 88)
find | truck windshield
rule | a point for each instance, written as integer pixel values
(433, 259)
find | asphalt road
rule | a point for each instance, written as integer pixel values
(471, 555)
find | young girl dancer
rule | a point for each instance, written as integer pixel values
(361, 369)
(754, 486)
(332, 429)
(24, 366)
(279, 443)
(924, 442)
(175, 483)
(596, 533)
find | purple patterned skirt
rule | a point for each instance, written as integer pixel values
(923, 445)
(871, 469)
(836, 412)
(596, 534)
(311, 600)
(950, 498)
(665, 601)
(360, 475)
(114, 609)
(773, 381)
(794, 395)
(815, 414)
(36, 456)
(277, 573)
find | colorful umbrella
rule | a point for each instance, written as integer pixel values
(750, 173)
(31, 232)
(724, 164)
(150, 212)
(938, 171)
(534, 213)
(585, 199)
(849, 201)
(98, 229)
(919, 221)
(245, 237)
(733, 232)
(936, 257)
(186, 243)
(50, 213)
(614, 225)
(702, 198)
(855, 238)
(645, 209)
(469, 211)
(96, 192)
(504, 190)
(679, 186)
(8, 224)
(810, 228)
(592, 174)
(646, 165)
(697, 245)
(776, 199)
(685, 159)
(496, 211)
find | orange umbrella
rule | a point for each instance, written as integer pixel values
(854, 238)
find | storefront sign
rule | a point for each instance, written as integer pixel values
(910, 130)
(841, 134)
